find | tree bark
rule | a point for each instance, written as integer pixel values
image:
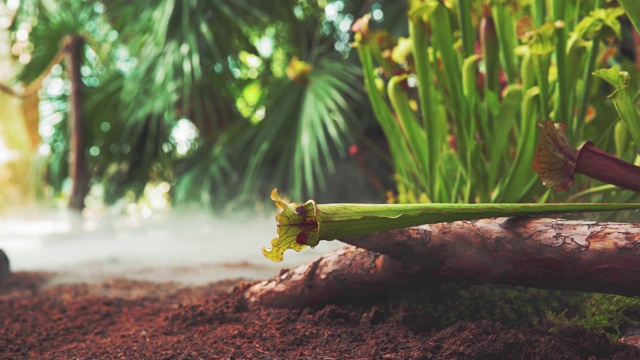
(536, 252)
(73, 47)
(341, 273)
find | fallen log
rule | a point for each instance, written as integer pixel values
(336, 275)
(535, 252)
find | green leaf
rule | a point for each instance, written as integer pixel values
(404, 164)
(315, 115)
(619, 79)
(623, 100)
(621, 138)
(505, 120)
(600, 23)
(632, 8)
(422, 9)
(301, 225)
(434, 123)
(413, 133)
(543, 41)
(517, 181)
(507, 37)
(542, 46)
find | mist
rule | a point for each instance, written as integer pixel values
(187, 246)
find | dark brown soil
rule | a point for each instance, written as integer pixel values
(142, 320)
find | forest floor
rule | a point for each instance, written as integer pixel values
(128, 319)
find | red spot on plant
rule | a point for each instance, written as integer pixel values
(305, 226)
(302, 238)
(300, 210)
(453, 142)
(353, 150)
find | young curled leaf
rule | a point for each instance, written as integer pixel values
(623, 100)
(403, 51)
(619, 79)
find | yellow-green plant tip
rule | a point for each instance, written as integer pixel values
(297, 227)
(401, 52)
(623, 100)
(619, 79)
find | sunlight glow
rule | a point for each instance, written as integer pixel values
(377, 15)
(376, 12)
(6, 155)
(182, 135)
(13, 4)
(252, 60)
(5, 21)
(265, 46)
(260, 113)
(56, 70)
(125, 62)
(56, 87)
(99, 8)
(330, 12)
(346, 23)
(22, 35)
(47, 124)
(44, 149)
(24, 58)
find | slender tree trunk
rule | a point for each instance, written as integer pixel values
(536, 252)
(74, 47)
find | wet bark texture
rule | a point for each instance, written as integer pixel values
(536, 252)
(73, 47)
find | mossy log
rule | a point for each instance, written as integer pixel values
(535, 252)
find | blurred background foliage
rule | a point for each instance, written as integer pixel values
(215, 102)
(474, 78)
(218, 102)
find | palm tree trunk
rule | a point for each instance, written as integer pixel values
(535, 252)
(74, 47)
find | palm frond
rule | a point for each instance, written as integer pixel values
(305, 127)
(183, 68)
(184, 60)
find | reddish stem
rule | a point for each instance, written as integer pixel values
(607, 168)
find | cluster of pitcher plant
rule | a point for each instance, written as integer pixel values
(467, 98)
(462, 101)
